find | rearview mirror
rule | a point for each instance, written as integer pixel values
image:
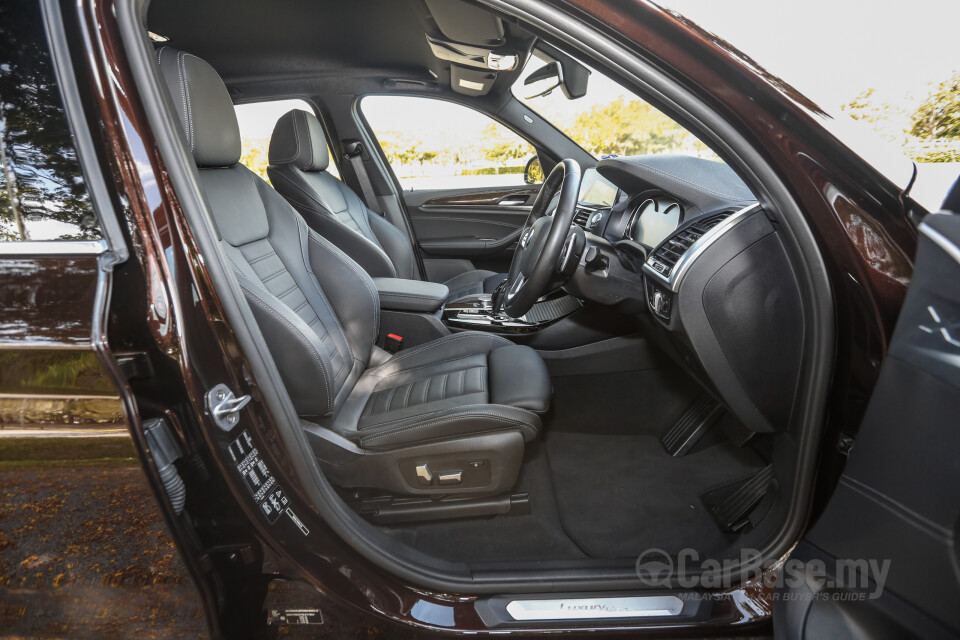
(547, 77)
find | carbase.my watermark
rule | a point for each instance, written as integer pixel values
(842, 579)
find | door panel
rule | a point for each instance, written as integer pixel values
(481, 226)
(898, 500)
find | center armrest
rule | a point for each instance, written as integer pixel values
(397, 294)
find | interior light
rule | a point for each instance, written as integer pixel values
(501, 62)
(156, 37)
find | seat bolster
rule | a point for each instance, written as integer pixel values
(351, 293)
(450, 423)
(396, 245)
(519, 378)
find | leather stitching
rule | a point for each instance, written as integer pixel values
(496, 417)
(299, 335)
(452, 410)
(316, 283)
(183, 98)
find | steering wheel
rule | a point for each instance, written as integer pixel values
(534, 265)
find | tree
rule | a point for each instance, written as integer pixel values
(500, 145)
(41, 173)
(938, 116)
(255, 156)
(627, 128)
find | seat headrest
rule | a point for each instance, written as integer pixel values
(203, 106)
(298, 140)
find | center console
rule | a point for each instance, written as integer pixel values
(476, 313)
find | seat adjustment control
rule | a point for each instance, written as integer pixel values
(450, 478)
(424, 475)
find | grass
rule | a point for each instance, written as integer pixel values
(21, 452)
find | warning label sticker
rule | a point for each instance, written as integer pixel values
(260, 482)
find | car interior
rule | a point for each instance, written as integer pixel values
(552, 367)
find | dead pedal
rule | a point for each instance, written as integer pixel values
(691, 426)
(732, 505)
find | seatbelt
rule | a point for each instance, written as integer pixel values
(353, 153)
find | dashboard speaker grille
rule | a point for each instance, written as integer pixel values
(666, 256)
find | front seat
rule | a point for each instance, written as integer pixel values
(298, 170)
(448, 417)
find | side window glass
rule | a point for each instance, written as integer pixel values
(43, 195)
(257, 120)
(434, 144)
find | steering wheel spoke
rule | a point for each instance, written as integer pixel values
(535, 262)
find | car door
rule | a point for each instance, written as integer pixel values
(881, 561)
(79, 522)
(462, 176)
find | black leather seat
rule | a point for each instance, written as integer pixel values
(372, 418)
(298, 171)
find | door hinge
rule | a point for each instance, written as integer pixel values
(224, 407)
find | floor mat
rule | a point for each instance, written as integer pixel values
(621, 495)
(608, 403)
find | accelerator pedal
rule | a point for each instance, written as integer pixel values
(691, 426)
(732, 506)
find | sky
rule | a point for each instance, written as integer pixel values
(831, 50)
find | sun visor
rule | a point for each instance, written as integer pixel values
(466, 23)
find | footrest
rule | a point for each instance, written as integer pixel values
(691, 426)
(731, 505)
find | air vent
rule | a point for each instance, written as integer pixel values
(581, 217)
(668, 254)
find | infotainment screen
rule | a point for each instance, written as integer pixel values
(597, 190)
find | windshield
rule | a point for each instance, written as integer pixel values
(608, 120)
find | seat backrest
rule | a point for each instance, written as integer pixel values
(317, 309)
(298, 171)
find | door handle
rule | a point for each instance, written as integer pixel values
(512, 202)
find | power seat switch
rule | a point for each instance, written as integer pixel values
(393, 343)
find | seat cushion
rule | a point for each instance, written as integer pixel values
(472, 283)
(461, 384)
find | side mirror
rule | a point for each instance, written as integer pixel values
(533, 172)
(548, 77)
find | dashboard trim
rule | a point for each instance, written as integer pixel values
(689, 257)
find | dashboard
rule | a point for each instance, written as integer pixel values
(682, 244)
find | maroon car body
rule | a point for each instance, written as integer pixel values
(157, 328)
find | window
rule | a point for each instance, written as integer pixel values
(42, 192)
(433, 144)
(607, 120)
(257, 120)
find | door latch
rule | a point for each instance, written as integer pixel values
(225, 407)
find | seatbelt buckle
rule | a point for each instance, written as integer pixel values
(393, 343)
